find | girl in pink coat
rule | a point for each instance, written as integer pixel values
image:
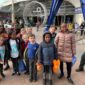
(65, 42)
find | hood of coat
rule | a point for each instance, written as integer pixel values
(47, 32)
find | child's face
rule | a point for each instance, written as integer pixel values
(29, 30)
(1, 41)
(23, 31)
(63, 27)
(52, 30)
(47, 38)
(32, 39)
(13, 36)
(25, 38)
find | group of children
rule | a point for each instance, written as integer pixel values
(22, 45)
(13, 45)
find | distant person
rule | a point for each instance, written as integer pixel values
(82, 27)
(76, 26)
(38, 25)
(70, 27)
(82, 63)
(21, 23)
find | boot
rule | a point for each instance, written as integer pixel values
(50, 82)
(1, 71)
(70, 80)
(61, 76)
(44, 81)
(79, 69)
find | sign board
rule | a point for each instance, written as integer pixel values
(78, 10)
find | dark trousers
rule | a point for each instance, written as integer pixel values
(47, 74)
(1, 68)
(27, 65)
(69, 66)
(82, 32)
(15, 65)
(82, 62)
(32, 70)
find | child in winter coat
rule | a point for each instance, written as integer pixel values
(53, 33)
(65, 41)
(14, 47)
(2, 55)
(32, 49)
(47, 52)
(24, 44)
(25, 38)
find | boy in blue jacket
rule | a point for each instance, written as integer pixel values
(32, 48)
(47, 52)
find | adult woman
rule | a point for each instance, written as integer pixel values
(65, 42)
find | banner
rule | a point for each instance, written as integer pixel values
(53, 11)
(83, 7)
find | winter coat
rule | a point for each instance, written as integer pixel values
(32, 49)
(7, 44)
(23, 45)
(2, 54)
(65, 43)
(47, 53)
(53, 37)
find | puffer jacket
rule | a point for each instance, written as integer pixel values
(47, 52)
(65, 43)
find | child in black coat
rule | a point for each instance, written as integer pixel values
(82, 63)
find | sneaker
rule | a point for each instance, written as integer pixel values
(18, 73)
(70, 80)
(26, 73)
(35, 80)
(30, 80)
(61, 76)
(79, 70)
(44, 81)
(50, 82)
(13, 74)
(6, 68)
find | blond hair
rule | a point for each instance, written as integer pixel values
(25, 36)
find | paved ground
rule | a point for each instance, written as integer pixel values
(79, 78)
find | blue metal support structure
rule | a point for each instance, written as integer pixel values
(53, 11)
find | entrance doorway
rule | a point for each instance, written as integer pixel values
(66, 19)
(65, 14)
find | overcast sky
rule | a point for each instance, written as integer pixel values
(2, 1)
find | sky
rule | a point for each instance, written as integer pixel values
(1, 1)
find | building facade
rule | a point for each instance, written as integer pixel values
(70, 10)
